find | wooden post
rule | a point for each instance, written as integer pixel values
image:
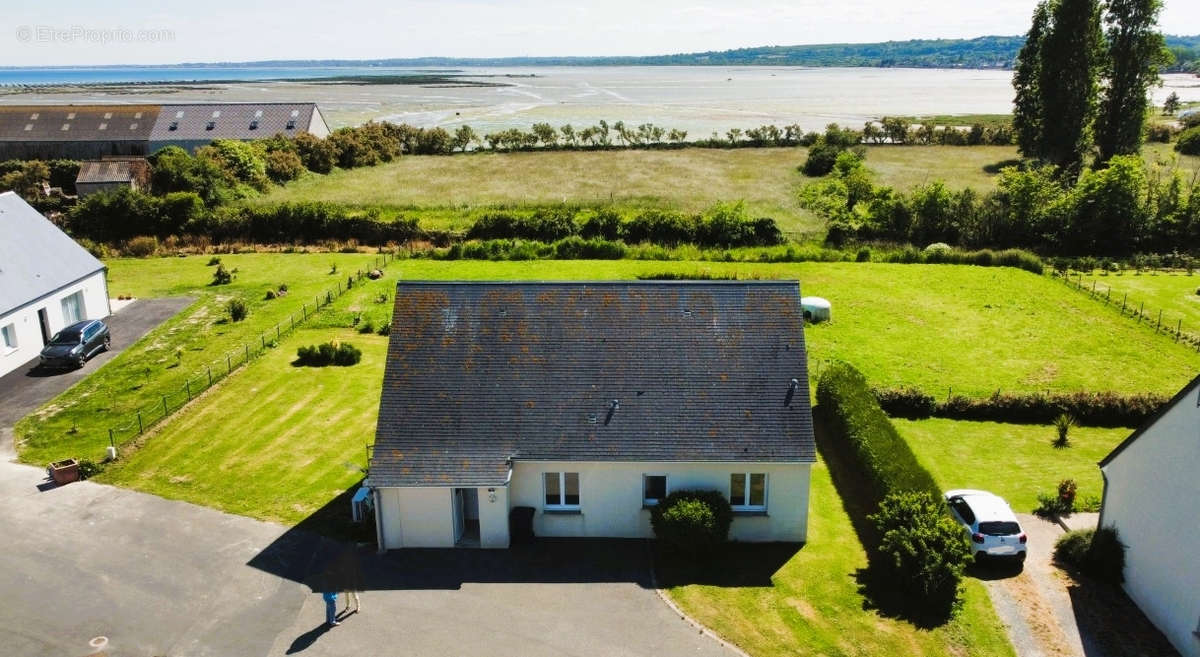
(276, 331)
(247, 353)
(1123, 300)
(139, 414)
(1178, 329)
(187, 384)
(228, 365)
(110, 438)
(209, 375)
(263, 338)
(1159, 325)
(1140, 307)
(304, 311)
(165, 410)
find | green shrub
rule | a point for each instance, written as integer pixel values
(1094, 409)
(859, 428)
(692, 521)
(1095, 552)
(214, 261)
(366, 327)
(385, 328)
(328, 353)
(921, 548)
(1189, 141)
(237, 310)
(1059, 503)
(908, 403)
(221, 276)
(89, 469)
(1062, 428)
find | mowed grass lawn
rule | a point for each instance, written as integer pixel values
(1174, 293)
(1014, 461)
(275, 442)
(814, 608)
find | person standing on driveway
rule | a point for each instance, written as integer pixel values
(350, 575)
(330, 607)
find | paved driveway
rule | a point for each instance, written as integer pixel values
(28, 387)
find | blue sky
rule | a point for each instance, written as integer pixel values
(169, 31)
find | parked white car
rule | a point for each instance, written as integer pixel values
(989, 522)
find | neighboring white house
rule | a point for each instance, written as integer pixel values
(47, 281)
(587, 403)
(1151, 492)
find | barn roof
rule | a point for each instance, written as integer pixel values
(36, 258)
(106, 171)
(76, 122)
(482, 372)
(207, 121)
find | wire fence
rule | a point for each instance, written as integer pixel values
(1133, 309)
(142, 419)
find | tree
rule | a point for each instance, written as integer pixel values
(568, 135)
(1171, 105)
(1027, 104)
(1071, 55)
(921, 549)
(1136, 52)
(545, 133)
(464, 136)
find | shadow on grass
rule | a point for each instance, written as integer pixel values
(329, 552)
(995, 167)
(878, 589)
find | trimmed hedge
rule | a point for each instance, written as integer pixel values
(328, 353)
(1096, 552)
(862, 431)
(692, 521)
(1094, 409)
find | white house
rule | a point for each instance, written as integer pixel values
(47, 281)
(586, 403)
(1150, 496)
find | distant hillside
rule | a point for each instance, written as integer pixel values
(981, 52)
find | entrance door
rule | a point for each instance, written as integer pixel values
(466, 517)
(44, 320)
(458, 515)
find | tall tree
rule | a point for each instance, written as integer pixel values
(1027, 105)
(1071, 55)
(1136, 52)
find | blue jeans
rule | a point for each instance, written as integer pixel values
(330, 609)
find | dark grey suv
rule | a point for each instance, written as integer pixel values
(75, 344)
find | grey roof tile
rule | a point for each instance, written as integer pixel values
(478, 373)
(36, 258)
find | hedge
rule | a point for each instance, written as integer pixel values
(692, 521)
(1095, 409)
(862, 432)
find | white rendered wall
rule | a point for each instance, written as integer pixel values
(493, 517)
(28, 329)
(611, 497)
(417, 517)
(1151, 499)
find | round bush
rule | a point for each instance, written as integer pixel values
(1189, 141)
(692, 521)
(921, 548)
(1096, 552)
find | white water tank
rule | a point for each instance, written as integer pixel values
(816, 309)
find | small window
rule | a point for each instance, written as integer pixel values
(104, 126)
(72, 308)
(258, 114)
(295, 113)
(33, 117)
(654, 489)
(254, 125)
(28, 126)
(9, 336)
(70, 116)
(133, 126)
(211, 125)
(108, 115)
(137, 115)
(748, 491)
(179, 114)
(291, 125)
(66, 126)
(216, 114)
(562, 490)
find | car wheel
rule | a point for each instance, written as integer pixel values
(81, 361)
(107, 342)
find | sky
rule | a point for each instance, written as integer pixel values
(86, 32)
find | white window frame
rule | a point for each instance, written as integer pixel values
(9, 337)
(74, 299)
(562, 492)
(746, 488)
(647, 501)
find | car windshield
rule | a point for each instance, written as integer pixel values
(66, 336)
(999, 528)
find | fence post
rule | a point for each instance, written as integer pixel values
(228, 365)
(139, 414)
(264, 341)
(1140, 307)
(304, 312)
(276, 331)
(110, 438)
(1123, 299)
(1178, 328)
(1159, 325)
(187, 384)
(165, 410)
(209, 368)
(247, 352)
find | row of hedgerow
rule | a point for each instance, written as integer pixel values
(1096, 409)
(919, 551)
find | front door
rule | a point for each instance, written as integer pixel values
(458, 514)
(44, 321)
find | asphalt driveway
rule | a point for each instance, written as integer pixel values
(27, 387)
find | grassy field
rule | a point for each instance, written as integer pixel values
(1177, 294)
(1015, 461)
(76, 423)
(813, 606)
(443, 190)
(275, 442)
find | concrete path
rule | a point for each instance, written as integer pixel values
(27, 387)
(1034, 604)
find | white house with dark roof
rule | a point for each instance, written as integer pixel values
(586, 403)
(47, 281)
(1150, 494)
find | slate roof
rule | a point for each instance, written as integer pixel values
(76, 122)
(231, 121)
(481, 372)
(36, 258)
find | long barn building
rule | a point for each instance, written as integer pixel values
(91, 132)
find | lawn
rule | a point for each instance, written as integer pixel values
(813, 606)
(1015, 461)
(275, 442)
(76, 423)
(1174, 293)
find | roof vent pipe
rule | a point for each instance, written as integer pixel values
(612, 408)
(792, 387)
